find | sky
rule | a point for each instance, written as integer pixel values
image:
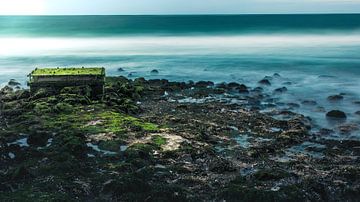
(133, 7)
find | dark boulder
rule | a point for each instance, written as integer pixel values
(280, 90)
(242, 88)
(335, 97)
(13, 82)
(221, 85)
(120, 69)
(154, 71)
(336, 114)
(38, 138)
(265, 82)
(309, 102)
(204, 84)
(293, 105)
(233, 85)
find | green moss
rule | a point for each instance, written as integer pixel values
(158, 140)
(42, 107)
(63, 108)
(67, 71)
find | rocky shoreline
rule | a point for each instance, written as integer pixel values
(157, 140)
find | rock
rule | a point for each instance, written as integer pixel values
(357, 102)
(13, 82)
(280, 90)
(288, 83)
(154, 71)
(276, 75)
(242, 88)
(309, 102)
(258, 89)
(221, 85)
(357, 113)
(335, 97)
(120, 69)
(21, 173)
(38, 139)
(268, 78)
(325, 132)
(348, 128)
(220, 165)
(233, 85)
(204, 84)
(293, 105)
(326, 76)
(336, 114)
(265, 82)
(131, 74)
(23, 94)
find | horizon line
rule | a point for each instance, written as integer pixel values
(185, 14)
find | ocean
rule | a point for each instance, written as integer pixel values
(318, 54)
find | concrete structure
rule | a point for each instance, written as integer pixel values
(55, 79)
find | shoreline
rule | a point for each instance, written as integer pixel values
(163, 140)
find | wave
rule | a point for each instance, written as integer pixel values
(325, 45)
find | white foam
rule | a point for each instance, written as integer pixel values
(163, 45)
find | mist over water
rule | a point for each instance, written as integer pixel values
(318, 54)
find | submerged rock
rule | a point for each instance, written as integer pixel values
(13, 82)
(309, 102)
(265, 82)
(336, 114)
(335, 97)
(280, 90)
(154, 71)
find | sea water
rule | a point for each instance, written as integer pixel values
(318, 54)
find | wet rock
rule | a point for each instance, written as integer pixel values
(120, 69)
(23, 94)
(220, 165)
(348, 128)
(336, 114)
(13, 82)
(335, 98)
(357, 113)
(242, 88)
(233, 85)
(131, 74)
(21, 173)
(204, 84)
(325, 132)
(309, 102)
(258, 89)
(326, 76)
(280, 90)
(154, 71)
(265, 82)
(293, 105)
(221, 85)
(276, 75)
(38, 139)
